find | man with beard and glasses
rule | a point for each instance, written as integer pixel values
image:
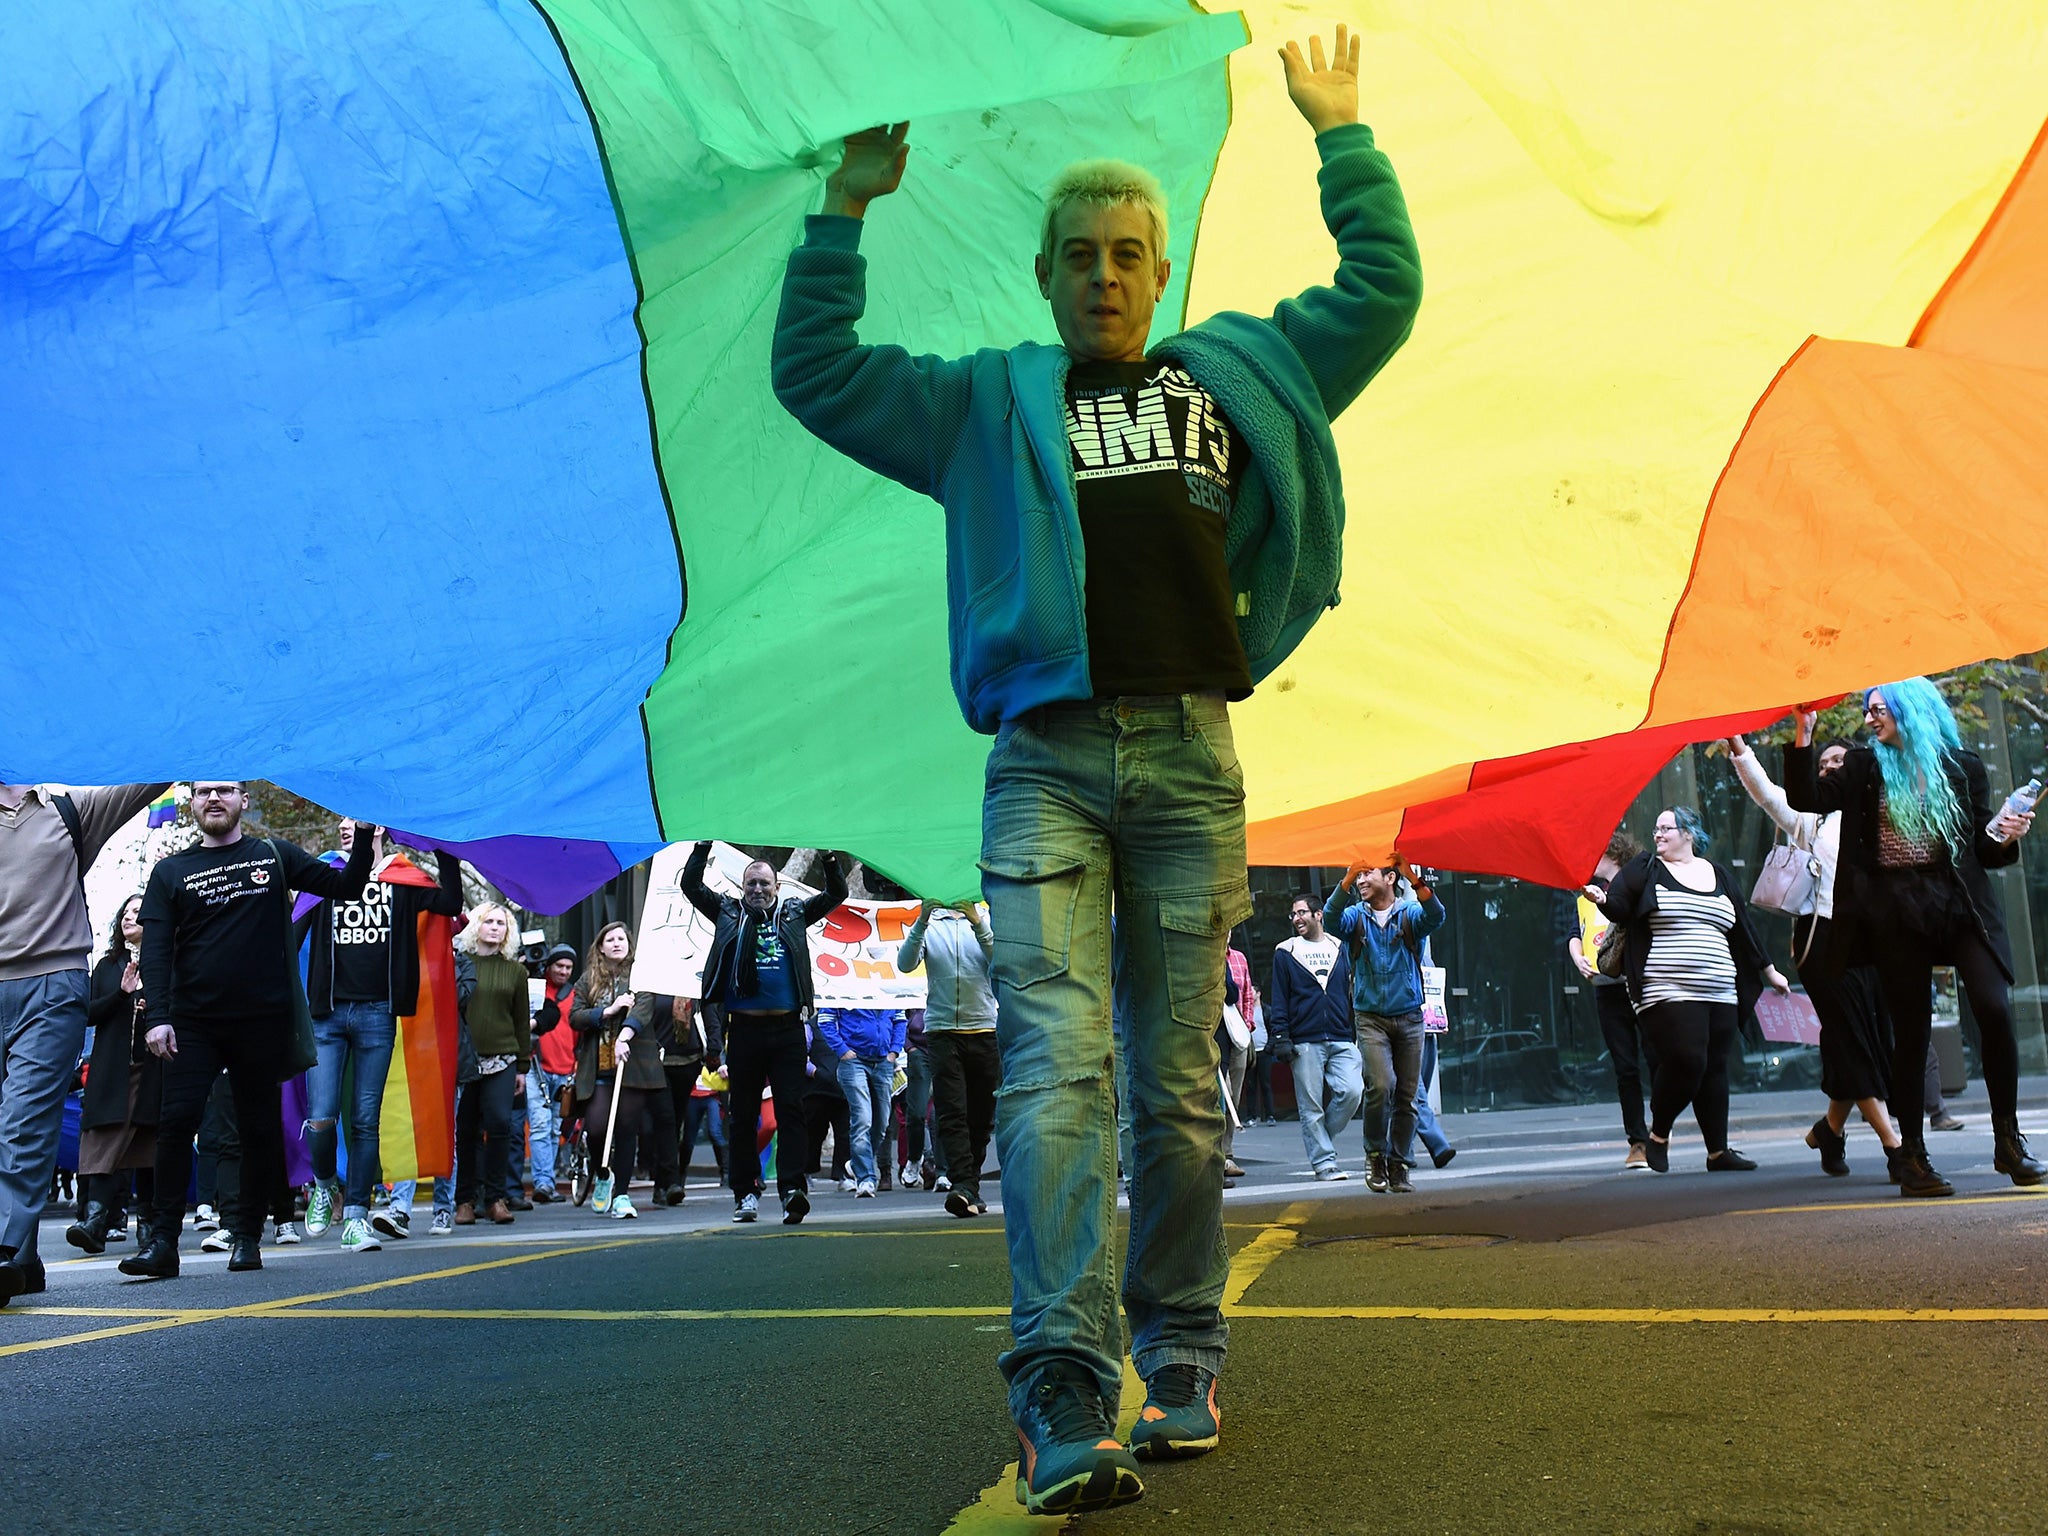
(218, 969)
(759, 971)
(48, 841)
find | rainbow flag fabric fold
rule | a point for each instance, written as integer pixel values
(405, 367)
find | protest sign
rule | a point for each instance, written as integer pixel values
(853, 951)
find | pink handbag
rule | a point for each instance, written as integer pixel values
(1788, 882)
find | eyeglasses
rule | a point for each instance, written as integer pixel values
(1876, 707)
(215, 794)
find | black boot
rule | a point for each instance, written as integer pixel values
(20, 1276)
(2010, 1155)
(1831, 1144)
(1914, 1175)
(91, 1233)
(245, 1253)
(157, 1259)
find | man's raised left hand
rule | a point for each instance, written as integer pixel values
(1326, 93)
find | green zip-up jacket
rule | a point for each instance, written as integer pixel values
(985, 436)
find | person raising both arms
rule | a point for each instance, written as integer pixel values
(1135, 534)
(1912, 891)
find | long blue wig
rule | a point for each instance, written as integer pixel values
(1918, 796)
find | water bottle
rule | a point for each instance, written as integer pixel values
(2018, 803)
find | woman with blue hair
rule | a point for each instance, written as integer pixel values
(1919, 832)
(1694, 967)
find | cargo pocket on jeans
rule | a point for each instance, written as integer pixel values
(1194, 930)
(1031, 902)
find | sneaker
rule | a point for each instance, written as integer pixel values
(796, 1205)
(319, 1211)
(848, 1185)
(910, 1176)
(623, 1209)
(1179, 1417)
(1331, 1174)
(544, 1194)
(219, 1240)
(391, 1223)
(1231, 1170)
(284, 1232)
(1071, 1461)
(1637, 1158)
(356, 1236)
(1376, 1173)
(865, 1190)
(1398, 1181)
(601, 1194)
(749, 1208)
(942, 1184)
(443, 1224)
(1942, 1120)
(206, 1219)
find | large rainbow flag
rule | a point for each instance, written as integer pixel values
(404, 368)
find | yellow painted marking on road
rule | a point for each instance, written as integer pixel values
(1643, 1315)
(1943, 1203)
(190, 1317)
(1256, 1256)
(628, 1315)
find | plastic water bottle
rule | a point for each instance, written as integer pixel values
(2018, 803)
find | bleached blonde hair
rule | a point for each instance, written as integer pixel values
(509, 948)
(1106, 183)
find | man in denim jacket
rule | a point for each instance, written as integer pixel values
(1135, 536)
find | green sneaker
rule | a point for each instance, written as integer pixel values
(601, 1194)
(319, 1210)
(1179, 1417)
(356, 1237)
(1071, 1460)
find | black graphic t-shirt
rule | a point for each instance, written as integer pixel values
(216, 927)
(1156, 467)
(362, 946)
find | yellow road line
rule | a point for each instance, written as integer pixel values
(189, 1317)
(629, 1315)
(1256, 1256)
(1640, 1315)
(1947, 1203)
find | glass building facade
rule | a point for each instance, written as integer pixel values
(1523, 1033)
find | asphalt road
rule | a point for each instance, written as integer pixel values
(1532, 1341)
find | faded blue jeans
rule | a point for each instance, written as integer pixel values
(1329, 1085)
(544, 1120)
(866, 1081)
(1140, 802)
(361, 1035)
(42, 1031)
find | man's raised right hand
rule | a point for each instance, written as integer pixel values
(871, 167)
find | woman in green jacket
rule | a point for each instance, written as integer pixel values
(491, 985)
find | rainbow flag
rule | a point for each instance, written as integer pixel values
(164, 811)
(1729, 388)
(417, 1130)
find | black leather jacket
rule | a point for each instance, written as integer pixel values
(792, 920)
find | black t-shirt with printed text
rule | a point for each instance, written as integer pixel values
(362, 946)
(1155, 467)
(216, 927)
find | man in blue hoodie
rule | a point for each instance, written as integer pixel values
(1308, 1014)
(1135, 535)
(868, 1043)
(1384, 935)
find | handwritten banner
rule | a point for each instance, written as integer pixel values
(853, 951)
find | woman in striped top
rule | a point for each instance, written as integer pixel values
(1693, 964)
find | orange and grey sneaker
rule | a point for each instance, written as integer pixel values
(1071, 1460)
(1179, 1417)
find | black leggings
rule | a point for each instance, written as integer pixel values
(634, 1105)
(1688, 1044)
(1905, 965)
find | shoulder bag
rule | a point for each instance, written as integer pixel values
(1789, 882)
